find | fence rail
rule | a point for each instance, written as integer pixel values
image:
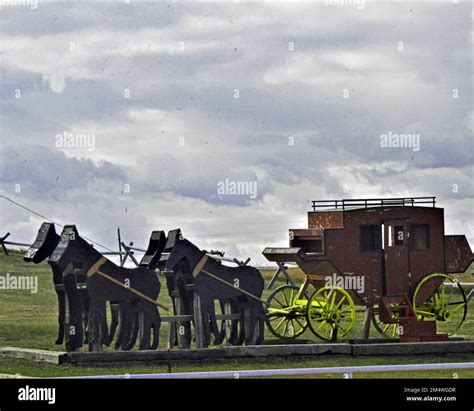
(125, 251)
(346, 372)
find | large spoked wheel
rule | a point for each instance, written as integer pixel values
(286, 316)
(384, 329)
(440, 297)
(330, 313)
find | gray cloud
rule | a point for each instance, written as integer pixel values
(187, 93)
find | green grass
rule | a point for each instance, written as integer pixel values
(30, 321)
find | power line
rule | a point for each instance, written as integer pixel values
(30, 210)
(149, 226)
(52, 221)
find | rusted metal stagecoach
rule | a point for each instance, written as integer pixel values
(389, 256)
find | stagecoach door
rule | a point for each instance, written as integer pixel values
(396, 265)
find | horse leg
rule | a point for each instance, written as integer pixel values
(134, 326)
(218, 333)
(124, 317)
(95, 325)
(206, 313)
(256, 315)
(261, 325)
(118, 340)
(232, 326)
(83, 297)
(156, 328)
(145, 326)
(238, 307)
(249, 322)
(115, 311)
(188, 310)
(73, 323)
(61, 314)
(104, 327)
(172, 289)
(59, 288)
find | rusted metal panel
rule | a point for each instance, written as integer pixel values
(458, 253)
(326, 219)
(298, 232)
(343, 248)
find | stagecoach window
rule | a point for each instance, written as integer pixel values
(420, 236)
(370, 238)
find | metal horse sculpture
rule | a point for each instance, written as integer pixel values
(108, 282)
(156, 255)
(214, 281)
(43, 246)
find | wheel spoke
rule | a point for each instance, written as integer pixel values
(325, 297)
(324, 333)
(341, 301)
(291, 297)
(333, 299)
(458, 307)
(293, 327)
(338, 324)
(279, 302)
(323, 322)
(298, 321)
(279, 324)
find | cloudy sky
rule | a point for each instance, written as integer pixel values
(173, 98)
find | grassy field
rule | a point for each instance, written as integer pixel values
(29, 320)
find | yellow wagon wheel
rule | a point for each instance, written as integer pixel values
(330, 313)
(286, 316)
(440, 297)
(387, 330)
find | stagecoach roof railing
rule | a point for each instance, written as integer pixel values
(372, 202)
